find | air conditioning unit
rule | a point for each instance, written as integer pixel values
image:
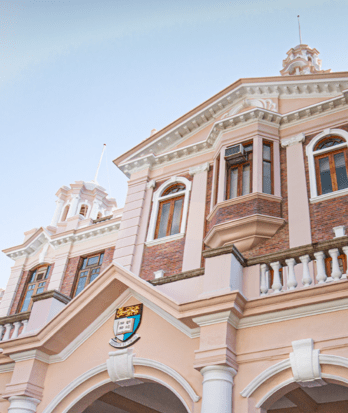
(235, 154)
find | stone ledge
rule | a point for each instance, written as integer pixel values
(178, 277)
(15, 317)
(228, 249)
(51, 294)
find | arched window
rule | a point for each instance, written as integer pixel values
(65, 213)
(36, 284)
(169, 210)
(328, 162)
(83, 210)
(100, 215)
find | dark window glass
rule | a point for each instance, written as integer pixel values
(233, 183)
(93, 260)
(27, 299)
(81, 283)
(176, 217)
(328, 143)
(89, 271)
(325, 176)
(101, 259)
(246, 180)
(162, 231)
(174, 189)
(341, 171)
(267, 169)
(84, 264)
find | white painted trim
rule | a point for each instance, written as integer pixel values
(6, 368)
(333, 360)
(225, 316)
(274, 390)
(164, 239)
(334, 377)
(331, 195)
(156, 199)
(30, 355)
(265, 375)
(311, 164)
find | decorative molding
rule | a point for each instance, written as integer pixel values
(159, 274)
(151, 184)
(305, 364)
(51, 294)
(6, 368)
(31, 355)
(14, 318)
(216, 318)
(300, 138)
(331, 195)
(228, 249)
(333, 360)
(274, 390)
(23, 404)
(199, 169)
(339, 231)
(245, 103)
(164, 239)
(120, 365)
(265, 375)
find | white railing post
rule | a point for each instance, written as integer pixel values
(264, 280)
(306, 278)
(8, 327)
(17, 326)
(321, 273)
(345, 250)
(25, 323)
(292, 282)
(336, 272)
(277, 283)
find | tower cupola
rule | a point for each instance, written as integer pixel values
(302, 60)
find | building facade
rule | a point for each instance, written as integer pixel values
(220, 286)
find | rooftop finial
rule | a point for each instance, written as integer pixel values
(299, 28)
(101, 157)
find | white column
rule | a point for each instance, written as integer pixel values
(17, 326)
(95, 209)
(8, 327)
(57, 212)
(336, 272)
(277, 283)
(222, 177)
(292, 283)
(217, 389)
(263, 282)
(306, 278)
(321, 273)
(25, 323)
(345, 250)
(22, 404)
(73, 206)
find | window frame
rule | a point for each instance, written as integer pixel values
(157, 198)
(88, 268)
(46, 270)
(271, 161)
(312, 153)
(171, 202)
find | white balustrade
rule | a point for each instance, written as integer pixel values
(306, 277)
(336, 273)
(321, 272)
(291, 282)
(322, 276)
(277, 283)
(5, 330)
(264, 280)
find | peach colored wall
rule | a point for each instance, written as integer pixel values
(42, 312)
(251, 281)
(299, 221)
(195, 226)
(5, 378)
(289, 105)
(184, 290)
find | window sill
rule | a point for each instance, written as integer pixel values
(331, 195)
(164, 239)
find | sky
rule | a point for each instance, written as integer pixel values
(77, 74)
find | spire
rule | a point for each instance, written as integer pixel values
(299, 29)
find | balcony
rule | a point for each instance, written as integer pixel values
(13, 326)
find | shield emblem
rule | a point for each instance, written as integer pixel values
(127, 322)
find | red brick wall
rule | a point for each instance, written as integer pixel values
(21, 287)
(327, 214)
(73, 267)
(167, 256)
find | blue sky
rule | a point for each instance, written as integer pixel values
(77, 74)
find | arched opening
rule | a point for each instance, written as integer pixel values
(328, 398)
(65, 213)
(83, 210)
(100, 215)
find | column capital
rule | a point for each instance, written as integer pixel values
(293, 140)
(22, 404)
(218, 373)
(199, 168)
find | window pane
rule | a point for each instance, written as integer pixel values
(32, 278)
(93, 260)
(41, 288)
(176, 217)
(267, 178)
(162, 231)
(341, 172)
(234, 183)
(48, 271)
(101, 259)
(246, 180)
(84, 263)
(267, 152)
(94, 274)
(325, 176)
(174, 189)
(27, 299)
(81, 283)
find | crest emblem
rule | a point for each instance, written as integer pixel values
(127, 322)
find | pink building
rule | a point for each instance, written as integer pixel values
(222, 283)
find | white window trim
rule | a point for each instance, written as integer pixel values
(157, 198)
(311, 164)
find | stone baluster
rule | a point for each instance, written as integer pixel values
(321, 272)
(2, 328)
(25, 323)
(336, 272)
(264, 280)
(277, 283)
(306, 278)
(345, 250)
(8, 327)
(292, 282)
(17, 326)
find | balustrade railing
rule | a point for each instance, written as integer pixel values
(275, 278)
(13, 326)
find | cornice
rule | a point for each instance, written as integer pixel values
(51, 294)
(159, 152)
